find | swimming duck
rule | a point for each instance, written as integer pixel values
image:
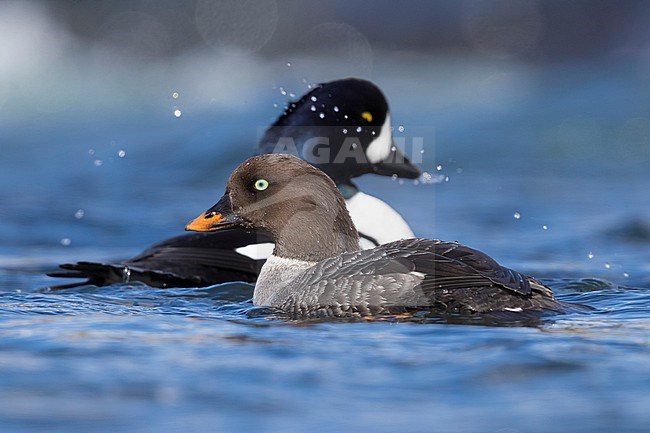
(350, 123)
(318, 269)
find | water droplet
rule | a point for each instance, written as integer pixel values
(98, 162)
(590, 255)
(372, 132)
(121, 153)
(345, 116)
(321, 115)
(421, 150)
(394, 177)
(401, 181)
(354, 145)
(176, 95)
(607, 265)
(439, 167)
(459, 170)
(427, 178)
(177, 113)
(312, 108)
(66, 241)
(288, 64)
(282, 91)
(517, 215)
(314, 99)
(336, 109)
(275, 105)
(345, 131)
(79, 214)
(91, 151)
(292, 95)
(400, 128)
(545, 227)
(358, 129)
(626, 275)
(416, 182)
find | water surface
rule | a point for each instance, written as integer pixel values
(549, 177)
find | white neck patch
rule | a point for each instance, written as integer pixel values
(380, 147)
(277, 273)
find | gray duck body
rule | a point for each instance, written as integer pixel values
(411, 275)
(317, 268)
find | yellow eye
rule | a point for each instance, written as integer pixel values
(261, 184)
(367, 116)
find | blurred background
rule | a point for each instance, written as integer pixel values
(120, 120)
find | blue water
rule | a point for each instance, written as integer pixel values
(567, 152)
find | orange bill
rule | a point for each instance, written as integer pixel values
(206, 222)
(218, 217)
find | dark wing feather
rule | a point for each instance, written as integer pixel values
(413, 273)
(193, 260)
(457, 265)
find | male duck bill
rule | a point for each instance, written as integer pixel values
(204, 259)
(317, 268)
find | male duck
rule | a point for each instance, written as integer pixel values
(343, 127)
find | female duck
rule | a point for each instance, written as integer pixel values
(318, 269)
